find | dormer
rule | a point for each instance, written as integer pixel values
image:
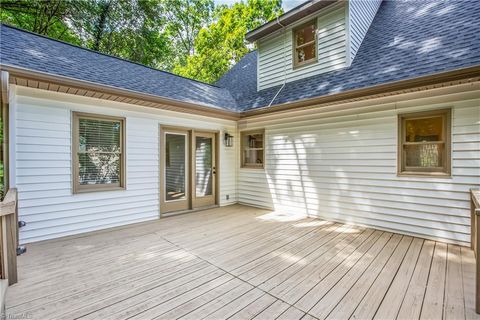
(316, 37)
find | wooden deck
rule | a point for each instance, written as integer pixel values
(239, 262)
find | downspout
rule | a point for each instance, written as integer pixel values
(284, 63)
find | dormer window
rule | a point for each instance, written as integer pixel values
(305, 44)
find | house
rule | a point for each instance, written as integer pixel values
(359, 112)
(324, 116)
(363, 112)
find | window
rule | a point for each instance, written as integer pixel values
(98, 153)
(305, 44)
(252, 144)
(424, 143)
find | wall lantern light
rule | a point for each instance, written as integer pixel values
(228, 140)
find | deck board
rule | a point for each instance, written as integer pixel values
(434, 296)
(380, 301)
(240, 262)
(392, 253)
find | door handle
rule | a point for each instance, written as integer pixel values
(214, 170)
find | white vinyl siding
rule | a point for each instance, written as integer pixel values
(42, 164)
(275, 61)
(361, 14)
(342, 166)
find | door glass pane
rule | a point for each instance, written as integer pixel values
(203, 166)
(175, 156)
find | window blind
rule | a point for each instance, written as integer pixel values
(99, 151)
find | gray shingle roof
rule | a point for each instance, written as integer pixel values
(407, 39)
(27, 50)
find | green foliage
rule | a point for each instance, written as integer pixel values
(124, 28)
(191, 37)
(43, 17)
(222, 43)
(133, 30)
(184, 20)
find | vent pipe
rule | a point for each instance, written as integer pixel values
(284, 62)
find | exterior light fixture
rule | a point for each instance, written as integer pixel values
(228, 140)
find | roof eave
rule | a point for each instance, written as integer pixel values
(288, 18)
(170, 104)
(464, 74)
(469, 73)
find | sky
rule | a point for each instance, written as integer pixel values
(286, 4)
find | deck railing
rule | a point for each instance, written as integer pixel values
(475, 240)
(9, 236)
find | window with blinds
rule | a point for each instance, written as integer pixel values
(98, 152)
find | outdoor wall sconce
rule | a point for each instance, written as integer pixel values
(228, 140)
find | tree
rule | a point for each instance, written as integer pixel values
(190, 37)
(157, 33)
(184, 20)
(104, 12)
(43, 17)
(129, 29)
(222, 44)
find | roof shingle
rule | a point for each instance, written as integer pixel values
(27, 50)
(406, 40)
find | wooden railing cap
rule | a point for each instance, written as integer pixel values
(475, 195)
(9, 203)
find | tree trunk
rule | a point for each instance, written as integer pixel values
(101, 23)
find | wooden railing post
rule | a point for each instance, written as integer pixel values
(9, 236)
(475, 241)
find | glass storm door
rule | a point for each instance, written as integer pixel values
(204, 169)
(175, 169)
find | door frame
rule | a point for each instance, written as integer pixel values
(191, 148)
